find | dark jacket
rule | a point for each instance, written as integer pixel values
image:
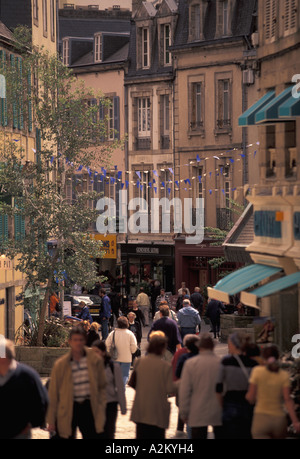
(197, 301)
(136, 329)
(92, 336)
(105, 311)
(170, 329)
(23, 401)
(214, 309)
(85, 314)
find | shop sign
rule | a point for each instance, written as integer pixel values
(109, 245)
(147, 250)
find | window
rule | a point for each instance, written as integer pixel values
(110, 115)
(165, 121)
(45, 17)
(225, 17)
(145, 48)
(66, 55)
(197, 109)
(290, 16)
(98, 48)
(35, 10)
(224, 8)
(167, 43)
(223, 104)
(144, 117)
(52, 18)
(196, 19)
(270, 19)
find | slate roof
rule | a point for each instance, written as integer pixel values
(85, 27)
(243, 23)
(5, 32)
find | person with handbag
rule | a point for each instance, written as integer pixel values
(121, 344)
(153, 382)
(115, 390)
(270, 390)
(232, 387)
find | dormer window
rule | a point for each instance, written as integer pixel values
(224, 12)
(98, 48)
(66, 51)
(225, 18)
(167, 43)
(197, 13)
(145, 48)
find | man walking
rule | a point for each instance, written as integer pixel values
(105, 313)
(197, 300)
(170, 329)
(143, 303)
(188, 319)
(214, 310)
(77, 391)
(198, 406)
(23, 398)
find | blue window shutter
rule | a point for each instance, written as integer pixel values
(15, 110)
(3, 227)
(38, 145)
(29, 102)
(297, 226)
(20, 98)
(116, 103)
(4, 120)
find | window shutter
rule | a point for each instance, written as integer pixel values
(220, 100)
(102, 119)
(14, 96)
(29, 102)
(38, 144)
(116, 103)
(20, 98)
(3, 101)
(3, 228)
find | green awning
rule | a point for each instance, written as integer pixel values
(248, 118)
(290, 108)
(270, 112)
(241, 280)
(250, 299)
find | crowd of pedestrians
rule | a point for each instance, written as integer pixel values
(245, 395)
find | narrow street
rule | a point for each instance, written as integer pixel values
(125, 427)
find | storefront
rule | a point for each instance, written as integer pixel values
(143, 262)
(194, 264)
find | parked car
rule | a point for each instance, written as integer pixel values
(92, 301)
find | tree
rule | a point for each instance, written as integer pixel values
(46, 99)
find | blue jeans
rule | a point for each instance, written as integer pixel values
(104, 331)
(125, 368)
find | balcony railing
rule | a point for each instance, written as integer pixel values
(224, 219)
(143, 143)
(165, 142)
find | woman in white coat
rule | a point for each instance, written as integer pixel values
(121, 344)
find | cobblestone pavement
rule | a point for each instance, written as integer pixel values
(125, 428)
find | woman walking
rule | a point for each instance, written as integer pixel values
(270, 390)
(115, 390)
(153, 383)
(232, 387)
(124, 343)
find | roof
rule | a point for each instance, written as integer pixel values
(240, 237)
(5, 32)
(85, 27)
(88, 59)
(243, 23)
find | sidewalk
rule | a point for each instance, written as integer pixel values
(126, 428)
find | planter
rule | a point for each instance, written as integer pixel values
(231, 323)
(40, 358)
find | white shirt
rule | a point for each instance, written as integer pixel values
(125, 342)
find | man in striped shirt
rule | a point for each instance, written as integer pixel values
(77, 391)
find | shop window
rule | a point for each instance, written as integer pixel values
(265, 224)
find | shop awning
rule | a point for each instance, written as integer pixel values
(290, 108)
(248, 118)
(250, 299)
(241, 280)
(270, 112)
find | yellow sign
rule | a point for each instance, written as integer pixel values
(109, 245)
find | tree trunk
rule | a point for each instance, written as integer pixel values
(41, 326)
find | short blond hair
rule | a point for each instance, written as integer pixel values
(156, 333)
(95, 326)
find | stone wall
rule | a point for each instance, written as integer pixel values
(231, 323)
(40, 358)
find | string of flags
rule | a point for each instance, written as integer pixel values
(156, 182)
